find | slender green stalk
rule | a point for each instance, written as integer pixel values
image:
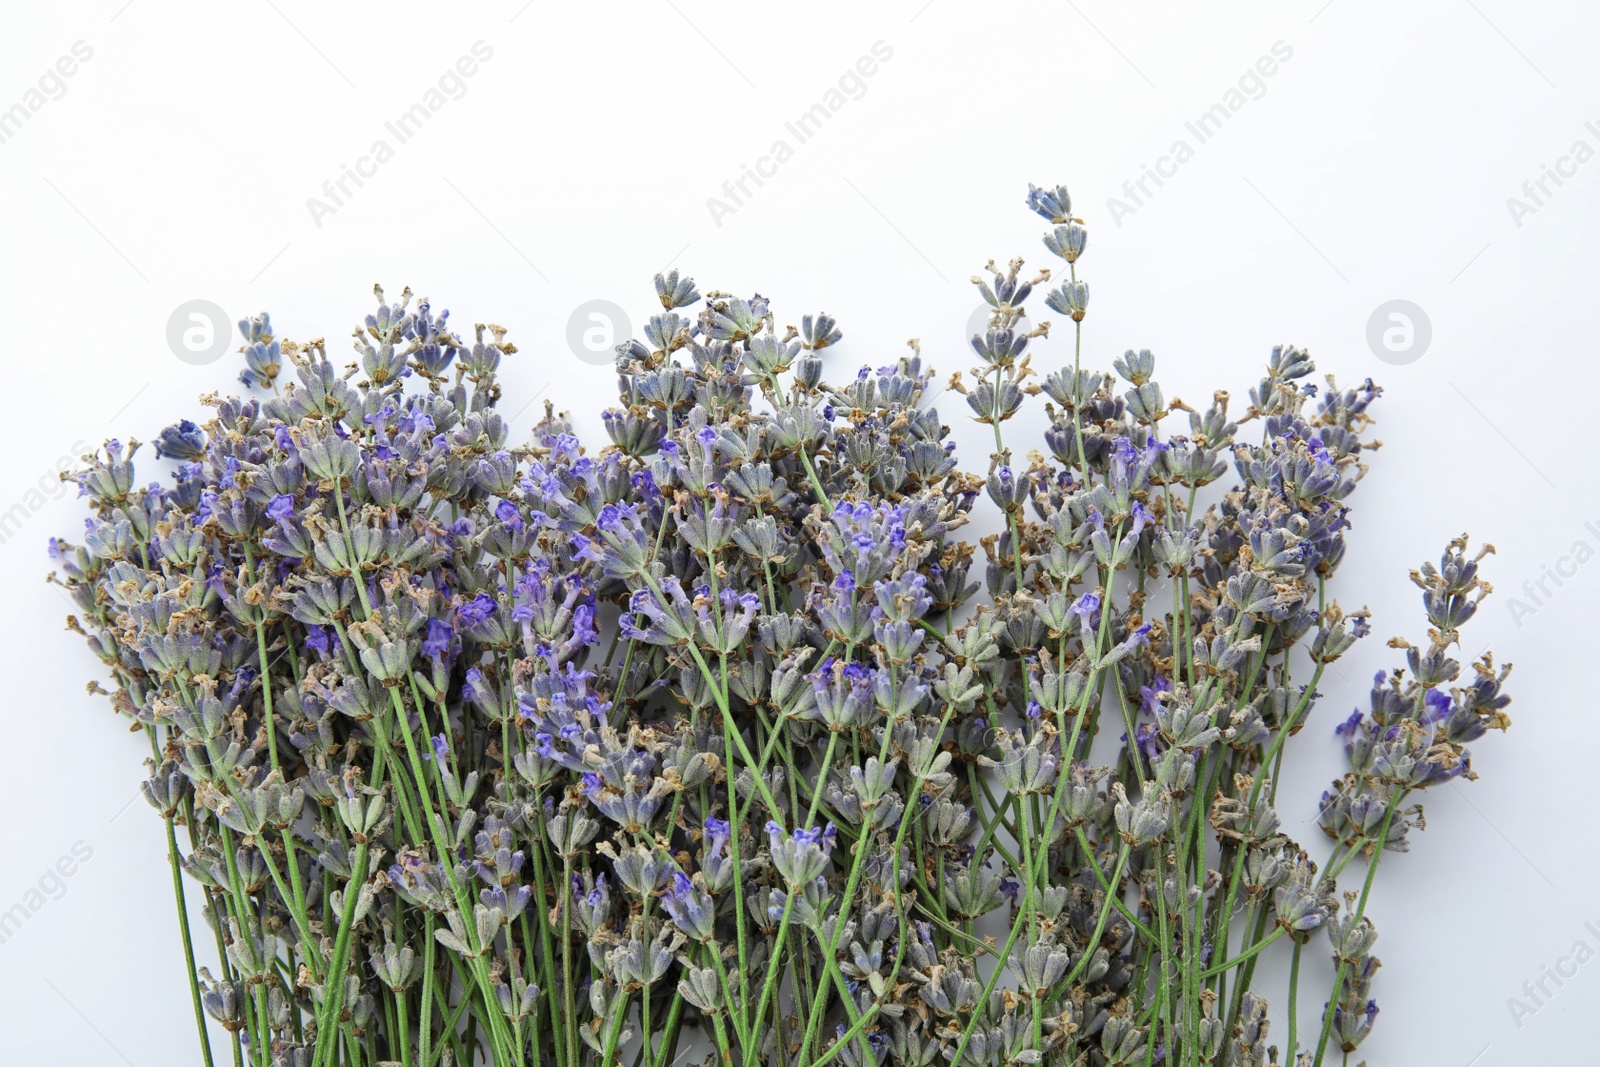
(1378, 841)
(1294, 1005)
(188, 944)
(788, 904)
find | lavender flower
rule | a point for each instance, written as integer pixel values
(725, 725)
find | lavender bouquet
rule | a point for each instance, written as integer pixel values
(720, 737)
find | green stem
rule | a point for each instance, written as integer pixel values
(1248, 953)
(1294, 994)
(188, 943)
(333, 1000)
(1379, 839)
(788, 903)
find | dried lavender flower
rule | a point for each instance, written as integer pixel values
(715, 729)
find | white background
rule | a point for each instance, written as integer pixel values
(1376, 164)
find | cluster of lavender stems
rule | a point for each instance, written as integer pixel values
(720, 737)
